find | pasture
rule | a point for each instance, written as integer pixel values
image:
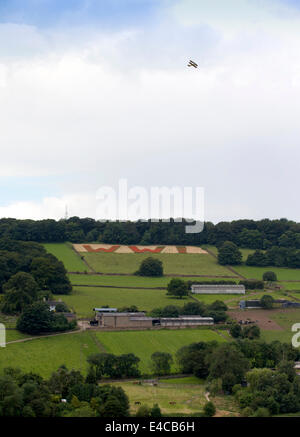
(83, 299)
(186, 394)
(189, 400)
(257, 272)
(65, 253)
(174, 264)
(145, 343)
(126, 281)
(45, 355)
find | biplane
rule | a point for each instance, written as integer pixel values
(192, 64)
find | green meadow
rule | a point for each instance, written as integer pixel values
(83, 299)
(257, 272)
(127, 281)
(174, 264)
(286, 319)
(65, 253)
(145, 343)
(45, 355)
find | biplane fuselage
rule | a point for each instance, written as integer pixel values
(193, 64)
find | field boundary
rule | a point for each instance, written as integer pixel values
(118, 287)
(226, 267)
(169, 275)
(83, 259)
(97, 342)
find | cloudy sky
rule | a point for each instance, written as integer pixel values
(92, 91)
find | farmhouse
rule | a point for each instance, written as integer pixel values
(53, 304)
(140, 320)
(217, 289)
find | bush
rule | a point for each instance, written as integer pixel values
(143, 411)
(155, 411)
(229, 254)
(235, 330)
(267, 302)
(247, 412)
(177, 288)
(150, 267)
(270, 277)
(262, 412)
(252, 284)
(61, 307)
(209, 409)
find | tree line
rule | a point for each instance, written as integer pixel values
(261, 234)
(28, 276)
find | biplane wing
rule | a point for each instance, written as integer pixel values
(192, 64)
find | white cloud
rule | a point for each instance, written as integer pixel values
(88, 107)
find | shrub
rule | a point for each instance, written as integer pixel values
(267, 302)
(270, 277)
(177, 288)
(209, 409)
(150, 267)
(229, 254)
(252, 284)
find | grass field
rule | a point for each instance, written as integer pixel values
(65, 253)
(233, 300)
(188, 393)
(285, 319)
(127, 281)
(293, 286)
(84, 299)
(257, 272)
(13, 334)
(189, 399)
(44, 356)
(145, 343)
(282, 336)
(186, 264)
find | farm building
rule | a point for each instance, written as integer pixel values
(140, 320)
(247, 304)
(105, 310)
(187, 321)
(123, 320)
(217, 289)
(53, 304)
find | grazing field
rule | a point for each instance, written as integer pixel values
(65, 253)
(229, 299)
(189, 399)
(293, 286)
(128, 281)
(257, 272)
(282, 336)
(44, 356)
(233, 300)
(176, 264)
(275, 324)
(13, 334)
(84, 299)
(145, 343)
